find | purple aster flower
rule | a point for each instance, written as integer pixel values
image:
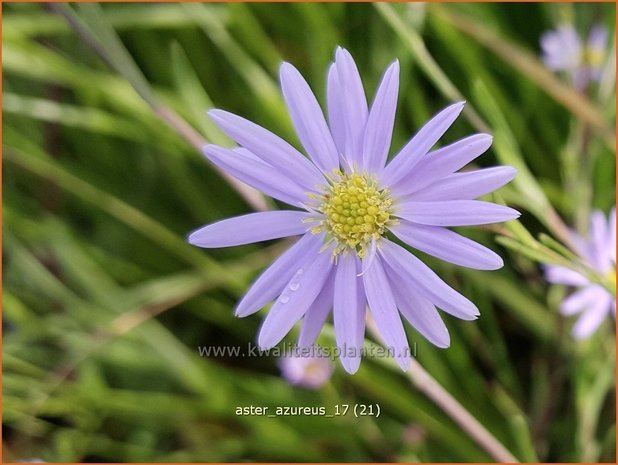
(309, 372)
(592, 300)
(563, 50)
(351, 199)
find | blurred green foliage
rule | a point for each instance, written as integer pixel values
(105, 304)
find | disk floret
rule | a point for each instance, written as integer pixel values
(593, 57)
(356, 211)
(611, 277)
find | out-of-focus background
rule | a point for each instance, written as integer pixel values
(105, 306)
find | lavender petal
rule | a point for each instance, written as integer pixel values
(384, 312)
(379, 129)
(561, 48)
(415, 274)
(455, 212)
(246, 229)
(308, 119)
(466, 186)
(598, 241)
(335, 109)
(441, 163)
(361, 303)
(347, 313)
(421, 314)
(592, 318)
(597, 39)
(581, 300)
(250, 169)
(561, 275)
(316, 315)
(296, 298)
(270, 148)
(420, 144)
(272, 281)
(448, 245)
(354, 105)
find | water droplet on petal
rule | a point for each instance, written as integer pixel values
(284, 299)
(294, 286)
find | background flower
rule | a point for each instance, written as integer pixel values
(308, 372)
(563, 50)
(592, 300)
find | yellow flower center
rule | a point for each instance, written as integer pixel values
(593, 57)
(609, 282)
(612, 277)
(356, 211)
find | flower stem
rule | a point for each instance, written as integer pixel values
(425, 383)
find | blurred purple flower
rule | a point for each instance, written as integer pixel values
(309, 372)
(563, 50)
(592, 300)
(351, 198)
(414, 434)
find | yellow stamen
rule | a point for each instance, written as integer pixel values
(593, 57)
(612, 277)
(356, 211)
